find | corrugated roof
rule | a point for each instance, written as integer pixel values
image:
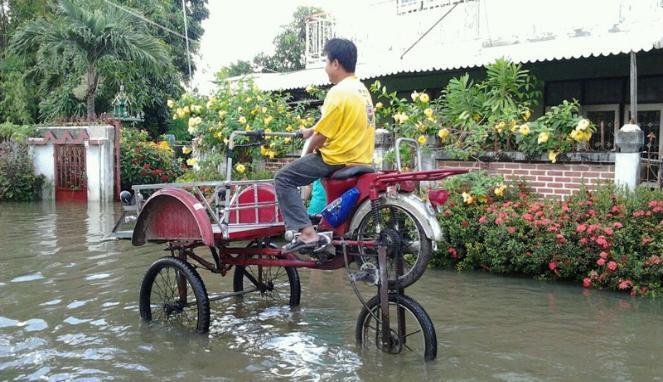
(479, 53)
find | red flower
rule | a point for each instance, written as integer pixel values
(602, 242)
(608, 231)
(452, 251)
(483, 219)
(617, 225)
(552, 265)
(600, 262)
(164, 178)
(587, 282)
(528, 217)
(612, 266)
(581, 228)
(603, 255)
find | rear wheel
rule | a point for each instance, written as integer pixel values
(411, 329)
(405, 239)
(279, 285)
(173, 293)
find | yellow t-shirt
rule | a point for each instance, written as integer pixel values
(348, 123)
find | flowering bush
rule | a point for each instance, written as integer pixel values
(239, 106)
(602, 239)
(17, 180)
(144, 162)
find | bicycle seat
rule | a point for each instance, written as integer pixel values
(351, 171)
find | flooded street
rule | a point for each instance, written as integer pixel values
(69, 311)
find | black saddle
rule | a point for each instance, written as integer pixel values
(351, 171)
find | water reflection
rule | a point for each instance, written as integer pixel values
(68, 310)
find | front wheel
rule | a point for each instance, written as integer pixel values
(406, 243)
(411, 329)
(173, 293)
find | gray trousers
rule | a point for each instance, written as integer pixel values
(300, 172)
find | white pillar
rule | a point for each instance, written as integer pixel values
(627, 170)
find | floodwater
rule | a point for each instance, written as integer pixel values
(69, 311)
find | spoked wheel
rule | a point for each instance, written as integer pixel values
(411, 329)
(173, 293)
(279, 285)
(405, 239)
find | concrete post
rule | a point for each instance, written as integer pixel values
(629, 141)
(383, 142)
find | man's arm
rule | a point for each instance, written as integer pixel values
(317, 139)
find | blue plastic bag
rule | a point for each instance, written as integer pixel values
(337, 211)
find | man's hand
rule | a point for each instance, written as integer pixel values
(306, 133)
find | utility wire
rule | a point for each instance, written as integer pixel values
(429, 29)
(186, 38)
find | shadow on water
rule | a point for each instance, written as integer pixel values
(68, 310)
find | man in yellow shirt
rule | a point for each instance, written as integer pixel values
(344, 135)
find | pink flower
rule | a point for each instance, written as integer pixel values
(602, 242)
(612, 266)
(608, 231)
(511, 230)
(617, 225)
(528, 217)
(560, 238)
(483, 219)
(603, 255)
(586, 282)
(581, 228)
(452, 251)
(624, 284)
(600, 262)
(499, 221)
(552, 265)
(646, 240)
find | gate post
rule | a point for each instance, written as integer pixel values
(629, 141)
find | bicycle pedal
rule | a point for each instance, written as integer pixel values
(367, 273)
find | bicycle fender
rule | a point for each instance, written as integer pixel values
(410, 203)
(172, 214)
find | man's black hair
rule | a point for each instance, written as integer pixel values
(345, 51)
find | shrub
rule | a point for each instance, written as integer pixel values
(144, 162)
(603, 239)
(17, 180)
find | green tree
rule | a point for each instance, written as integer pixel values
(89, 38)
(289, 44)
(236, 68)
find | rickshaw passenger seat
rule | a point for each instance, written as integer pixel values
(351, 171)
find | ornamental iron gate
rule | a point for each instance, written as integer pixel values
(70, 177)
(651, 170)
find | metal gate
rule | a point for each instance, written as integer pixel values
(70, 178)
(651, 171)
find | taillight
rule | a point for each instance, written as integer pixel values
(438, 197)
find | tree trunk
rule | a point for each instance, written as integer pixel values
(91, 92)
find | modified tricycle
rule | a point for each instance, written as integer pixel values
(389, 234)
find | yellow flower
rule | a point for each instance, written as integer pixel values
(287, 140)
(186, 150)
(196, 108)
(552, 156)
(170, 103)
(483, 198)
(423, 97)
(421, 139)
(263, 151)
(414, 95)
(247, 128)
(226, 140)
(288, 128)
(242, 120)
(194, 121)
(512, 126)
(526, 115)
(239, 109)
(263, 109)
(218, 135)
(428, 112)
(310, 89)
(499, 191)
(401, 118)
(267, 120)
(543, 137)
(467, 198)
(186, 110)
(443, 133)
(192, 162)
(379, 106)
(420, 126)
(240, 168)
(524, 129)
(583, 124)
(271, 154)
(248, 99)
(500, 126)
(222, 113)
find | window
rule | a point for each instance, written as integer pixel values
(319, 29)
(606, 120)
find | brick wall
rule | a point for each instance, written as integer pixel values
(276, 164)
(547, 179)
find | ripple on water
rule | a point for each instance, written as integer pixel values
(34, 325)
(51, 302)
(77, 304)
(30, 277)
(98, 276)
(75, 321)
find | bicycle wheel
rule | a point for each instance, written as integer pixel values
(279, 285)
(173, 293)
(404, 236)
(411, 329)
